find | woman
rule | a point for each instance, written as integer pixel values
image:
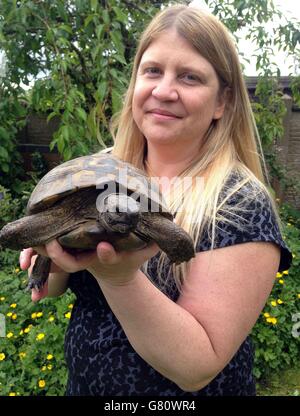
(179, 330)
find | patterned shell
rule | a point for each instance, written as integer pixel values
(98, 170)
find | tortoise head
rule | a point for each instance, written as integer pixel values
(120, 213)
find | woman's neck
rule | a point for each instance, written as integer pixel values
(167, 164)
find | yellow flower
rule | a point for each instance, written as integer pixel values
(2, 356)
(279, 301)
(278, 275)
(274, 303)
(271, 320)
(285, 272)
(71, 306)
(266, 315)
(12, 393)
(40, 336)
(298, 295)
(17, 270)
(51, 319)
(22, 355)
(39, 314)
(33, 315)
(49, 366)
(44, 368)
(289, 224)
(42, 384)
(14, 317)
(21, 332)
(9, 314)
(13, 305)
(26, 330)
(281, 281)
(294, 255)
(68, 315)
(49, 357)
(2, 298)
(9, 335)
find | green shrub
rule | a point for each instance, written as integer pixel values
(9, 207)
(275, 346)
(32, 352)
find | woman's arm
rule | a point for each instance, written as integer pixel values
(192, 340)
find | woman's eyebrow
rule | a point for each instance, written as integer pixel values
(149, 63)
(183, 67)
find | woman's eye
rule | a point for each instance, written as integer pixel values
(152, 71)
(191, 78)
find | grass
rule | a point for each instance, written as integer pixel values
(286, 383)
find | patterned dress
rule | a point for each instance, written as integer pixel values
(101, 361)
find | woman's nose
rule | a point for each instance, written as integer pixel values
(165, 90)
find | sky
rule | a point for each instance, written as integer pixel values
(288, 8)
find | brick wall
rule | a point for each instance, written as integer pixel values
(290, 157)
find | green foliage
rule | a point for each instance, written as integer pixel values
(32, 352)
(275, 346)
(9, 207)
(12, 117)
(84, 51)
(269, 110)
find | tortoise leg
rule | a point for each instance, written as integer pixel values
(39, 273)
(172, 239)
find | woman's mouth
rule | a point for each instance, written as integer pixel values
(163, 114)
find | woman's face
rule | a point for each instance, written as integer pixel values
(176, 94)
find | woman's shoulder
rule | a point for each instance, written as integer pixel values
(246, 212)
(240, 187)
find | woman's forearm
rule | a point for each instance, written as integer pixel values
(164, 334)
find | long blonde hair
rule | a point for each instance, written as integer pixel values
(231, 143)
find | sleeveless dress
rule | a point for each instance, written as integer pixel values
(100, 359)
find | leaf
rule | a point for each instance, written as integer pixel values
(94, 4)
(3, 153)
(105, 16)
(81, 113)
(121, 17)
(101, 91)
(66, 28)
(51, 115)
(120, 58)
(88, 20)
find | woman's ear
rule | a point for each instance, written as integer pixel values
(223, 99)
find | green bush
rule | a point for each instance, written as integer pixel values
(275, 346)
(32, 352)
(9, 207)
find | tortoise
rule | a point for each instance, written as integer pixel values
(91, 199)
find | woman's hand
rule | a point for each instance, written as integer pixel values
(27, 259)
(104, 263)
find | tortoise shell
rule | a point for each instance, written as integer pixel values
(94, 171)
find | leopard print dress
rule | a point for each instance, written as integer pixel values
(100, 359)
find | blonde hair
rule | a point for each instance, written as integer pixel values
(231, 143)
